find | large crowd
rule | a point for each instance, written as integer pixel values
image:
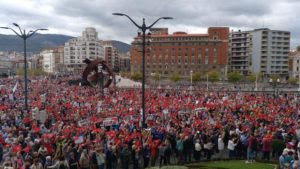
(74, 127)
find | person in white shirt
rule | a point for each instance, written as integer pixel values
(197, 150)
(221, 146)
(232, 143)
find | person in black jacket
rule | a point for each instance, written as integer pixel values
(146, 155)
(125, 156)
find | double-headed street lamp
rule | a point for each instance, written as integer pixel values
(191, 74)
(143, 28)
(24, 35)
(274, 84)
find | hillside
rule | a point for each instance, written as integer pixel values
(34, 44)
(40, 41)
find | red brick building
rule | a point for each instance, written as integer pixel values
(181, 52)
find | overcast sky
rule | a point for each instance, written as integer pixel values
(70, 17)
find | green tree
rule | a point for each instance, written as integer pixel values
(137, 76)
(175, 77)
(32, 72)
(293, 81)
(251, 78)
(155, 76)
(234, 77)
(196, 76)
(213, 76)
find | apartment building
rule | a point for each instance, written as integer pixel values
(260, 51)
(87, 46)
(181, 52)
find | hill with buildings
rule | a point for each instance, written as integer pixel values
(34, 44)
(40, 41)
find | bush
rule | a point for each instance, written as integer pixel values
(175, 77)
(213, 76)
(234, 77)
(137, 76)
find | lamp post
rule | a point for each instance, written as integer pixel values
(274, 84)
(159, 81)
(207, 82)
(24, 35)
(299, 83)
(143, 28)
(191, 73)
(255, 83)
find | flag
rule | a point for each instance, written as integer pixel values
(15, 87)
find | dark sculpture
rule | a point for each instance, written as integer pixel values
(96, 73)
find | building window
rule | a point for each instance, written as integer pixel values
(206, 59)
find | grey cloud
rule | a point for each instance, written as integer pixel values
(71, 16)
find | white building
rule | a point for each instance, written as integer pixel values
(53, 59)
(260, 51)
(48, 63)
(294, 61)
(88, 46)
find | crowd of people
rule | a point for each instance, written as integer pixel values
(74, 127)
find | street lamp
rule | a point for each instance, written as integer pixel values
(277, 81)
(143, 28)
(191, 73)
(256, 82)
(207, 82)
(299, 83)
(24, 35)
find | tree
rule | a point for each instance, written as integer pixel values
(213, 76)
(251, 78)
(136, 76)
(155, 76)
(196, 76)
(293, 81)
(31, 72)
(234, 77)
(175, 77)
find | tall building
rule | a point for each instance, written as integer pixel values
(260, 51)
(53, 59)
(111, 55)
(181, 52)
(240, 46)
(125, 62)
(88, 46)
(294, 63)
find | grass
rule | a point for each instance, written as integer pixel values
(239, 164)
(169, 167)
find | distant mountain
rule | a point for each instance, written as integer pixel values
(34, 43)
(121, 46)
(39, 41)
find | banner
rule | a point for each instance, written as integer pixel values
(15, 87)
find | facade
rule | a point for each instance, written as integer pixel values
(125, 62)
(240, 46)
(294, 63)
(53, 59)
(6, 67)
(260, 51)
(111, 55)
(76, 50)
(181, 52)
